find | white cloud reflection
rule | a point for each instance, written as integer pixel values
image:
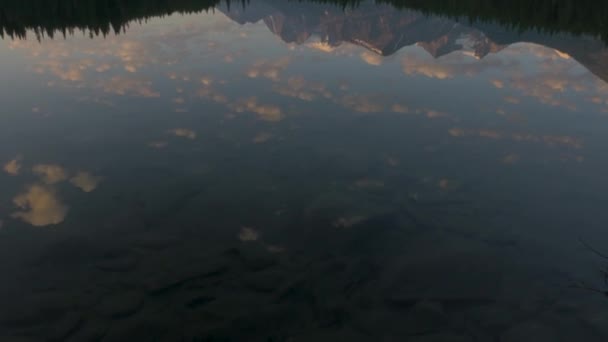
(183, 133)
(270, 69)
(85, 181)
(41, 206)
(266, 112)
(13, 167)
(50, 173)
(371, 58)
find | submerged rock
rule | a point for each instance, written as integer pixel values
(20, 339)
(156, 241)
(264, 281)
(65, 327)
(139, 330)
(598, 321)
(331, 336)
(571, 327)
(257, 257)
(530, 331)
(425, 317)
(23, 316)
(443, 337)
(453, 272)
(38, 308)
(120, 305)
(79, 250)
(493, 318)
(344, 209)
(197, 301)
(121, 264)
(158, 283)
(92, 330)
(234, 305)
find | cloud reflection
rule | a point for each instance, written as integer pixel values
(183, 133)
(298, 87)
(269, 69)
(41, 206)
(265, 112)
(50, 173)
(511, 159)
(85, 181)
(371, 58)
(248, 234)
(262, 138)
(549, 140)
(399, 108)
(120, 85)
(158, 144)
(446, 67)
(13, 167)
(363, 103)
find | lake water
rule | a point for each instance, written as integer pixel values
(302, 171)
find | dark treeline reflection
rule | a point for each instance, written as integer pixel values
(96, 17)
(101, 17)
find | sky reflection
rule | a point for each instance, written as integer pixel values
(208, 65)
(365, 160)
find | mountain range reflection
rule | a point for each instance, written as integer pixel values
(379, 27)
(269, 82)
(105, 16)
(384, 30)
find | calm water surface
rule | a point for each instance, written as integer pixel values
(300, 172)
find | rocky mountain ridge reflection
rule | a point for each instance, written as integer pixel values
(384, 30)
(377, 26)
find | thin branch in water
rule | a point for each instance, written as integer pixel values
(583, 286)
(592, 249)
(605, 274)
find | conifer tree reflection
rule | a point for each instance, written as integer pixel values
(102, 17)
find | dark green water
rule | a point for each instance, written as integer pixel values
(303, 171)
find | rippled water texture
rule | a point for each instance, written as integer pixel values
(303, 171)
